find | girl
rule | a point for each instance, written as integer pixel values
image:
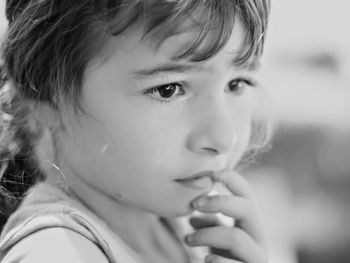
(117, 119)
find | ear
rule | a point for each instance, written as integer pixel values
(47, 119)
(47, 115)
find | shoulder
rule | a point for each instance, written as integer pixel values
(55, 245)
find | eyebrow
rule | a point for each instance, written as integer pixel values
(253, 65)
(174, 67)
(168, 68)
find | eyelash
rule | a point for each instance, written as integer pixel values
(245, 81)
(149, 92)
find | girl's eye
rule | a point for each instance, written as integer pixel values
(239, 85)
(165, 92)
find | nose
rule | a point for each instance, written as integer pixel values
(213, 133)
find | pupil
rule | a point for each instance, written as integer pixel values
(167, 91)
(236, 85)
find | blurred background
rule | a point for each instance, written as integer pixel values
(303, 182)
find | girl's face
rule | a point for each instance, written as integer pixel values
(150, 122)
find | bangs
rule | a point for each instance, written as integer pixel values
(162, 19)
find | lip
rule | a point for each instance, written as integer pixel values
(198, 175)
(201, 180)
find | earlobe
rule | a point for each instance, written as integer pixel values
(47, 120)
(47, 116)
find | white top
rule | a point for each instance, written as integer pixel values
(46, 206)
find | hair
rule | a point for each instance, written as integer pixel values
(49, 44)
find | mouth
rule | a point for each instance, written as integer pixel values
(202, 180)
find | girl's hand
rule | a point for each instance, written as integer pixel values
(243, 242)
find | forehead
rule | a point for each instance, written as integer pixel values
(189, 36)
(145, 49)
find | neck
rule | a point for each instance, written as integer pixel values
(139, 229)
(135, 226)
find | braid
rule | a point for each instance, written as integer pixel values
(19, 168)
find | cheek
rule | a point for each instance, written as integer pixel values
(246, 133)
(243, 128)
(247, 110)
(140, 142)
(243, 134)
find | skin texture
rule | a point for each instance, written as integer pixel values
(244, 241)
(123, 154)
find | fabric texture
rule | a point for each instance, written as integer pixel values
(46, 206)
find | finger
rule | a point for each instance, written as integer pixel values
(232, 206)
(235, 183)
(239, 208)
(221, 252)
(218, 259)
(207, 220)
(235, 240)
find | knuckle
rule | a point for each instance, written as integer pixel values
(224, 198)
(248, 210)
(238, 241)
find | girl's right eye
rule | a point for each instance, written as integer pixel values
(165, 93)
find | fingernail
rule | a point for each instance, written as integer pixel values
(189, 239)
(200, 202)
(209, 258)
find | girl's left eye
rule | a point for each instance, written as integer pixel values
(238, 85)
(165, 92)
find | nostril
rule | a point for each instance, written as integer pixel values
(212, 142)
(211, 151)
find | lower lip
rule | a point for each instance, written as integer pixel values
(204, 182)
